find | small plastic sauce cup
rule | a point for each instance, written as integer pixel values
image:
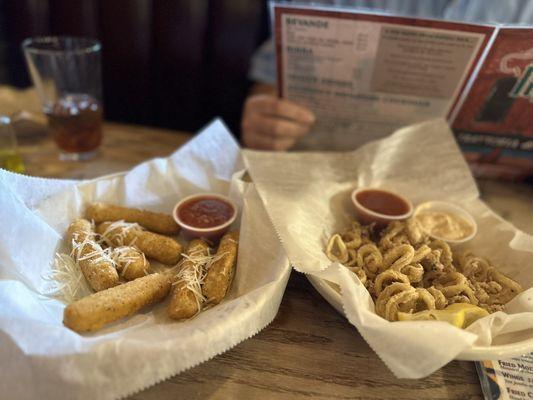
(380, 206)
(451, 209)
(206, 215)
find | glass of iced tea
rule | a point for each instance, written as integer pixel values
(66, 72)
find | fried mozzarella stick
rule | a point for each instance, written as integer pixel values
(94, 311)
(130, 262)
(159, 247)
(221, 272)
(95, 265)
(156, 222)
(186, 297)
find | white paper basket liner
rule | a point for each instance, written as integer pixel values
(40, 358)
(307, 198)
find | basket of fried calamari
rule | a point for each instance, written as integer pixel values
(432, 276)
(112, 285)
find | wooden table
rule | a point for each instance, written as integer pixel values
(309, 351)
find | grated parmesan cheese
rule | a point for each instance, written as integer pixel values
(122, 256)
(116, 233)
(68, 282)
(193, 274)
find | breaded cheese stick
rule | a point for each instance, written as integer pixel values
(221, 272)
(185, 299)
(155, 222)
(130, 262)
(95, 265)
(94, 311)
(159, 247)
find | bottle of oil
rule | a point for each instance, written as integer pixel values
(10, 158)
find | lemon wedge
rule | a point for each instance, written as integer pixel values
(472, 313)
(456, 318)
(460, 315)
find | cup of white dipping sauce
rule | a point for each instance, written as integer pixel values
(446, 221)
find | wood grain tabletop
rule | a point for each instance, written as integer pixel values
(309, 350)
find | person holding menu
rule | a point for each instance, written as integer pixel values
(273, 123)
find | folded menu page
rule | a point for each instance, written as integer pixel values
(307, 196)
(40, 357)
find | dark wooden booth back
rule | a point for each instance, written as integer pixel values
(171, 63)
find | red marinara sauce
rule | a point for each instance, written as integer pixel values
(382, 202)
(205, 212)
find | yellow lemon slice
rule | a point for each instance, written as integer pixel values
(456, 318)
(472, 313)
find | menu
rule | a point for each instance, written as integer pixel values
(375, 73)
(510, 379)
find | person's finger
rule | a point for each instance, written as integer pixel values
(276, 127)
(271, 105)
(260, 141)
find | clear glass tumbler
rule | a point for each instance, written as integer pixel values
(10, 158)
(66, 72)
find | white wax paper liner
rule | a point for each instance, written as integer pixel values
(41, 358)
(307, 197)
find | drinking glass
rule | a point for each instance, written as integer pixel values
(10, 158)
(66, 72)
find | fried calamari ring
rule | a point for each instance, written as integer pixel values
(336, 249)
(421, 253)
(387, 278)
(395, 303)
(352, 237)
(414, 272)
(451, 284)
(352, 258)
(389, 234)
(398, 257)
(440, 300)
(370, 259)
(389, 292)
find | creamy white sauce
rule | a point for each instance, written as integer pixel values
(444, 225)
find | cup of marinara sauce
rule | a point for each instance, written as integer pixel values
(207, 215)
(380, 206)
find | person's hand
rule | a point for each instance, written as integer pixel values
(271, 123)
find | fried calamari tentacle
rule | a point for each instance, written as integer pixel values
(370, 259)
(388, 278)
(446, 257)
(474, 268)
(336, 250)
(398, 257)
(505, 282)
